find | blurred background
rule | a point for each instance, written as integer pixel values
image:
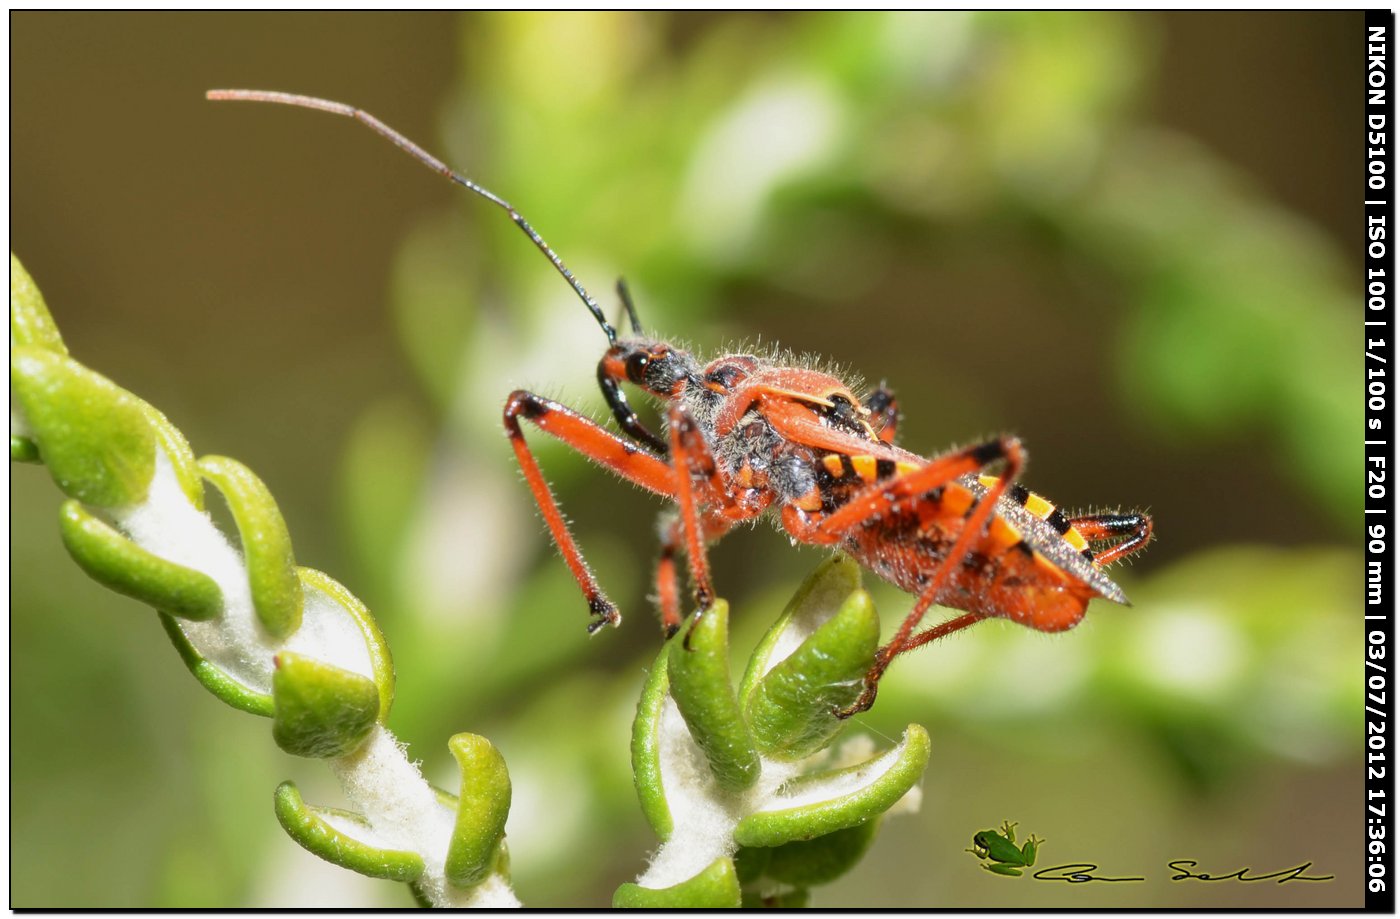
(1123, 237)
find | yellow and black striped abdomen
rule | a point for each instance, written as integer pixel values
(864, 468)
(1026, 526)
(1042, 509)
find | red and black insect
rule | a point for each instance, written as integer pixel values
(745, 436)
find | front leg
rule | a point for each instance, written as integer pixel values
(602, 447)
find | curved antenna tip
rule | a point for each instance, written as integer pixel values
(433, 163)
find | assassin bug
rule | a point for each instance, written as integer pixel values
(745, 436)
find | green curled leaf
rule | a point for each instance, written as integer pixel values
(31, 325)
(791, 709)
(308, 826)
(114, 561)
(24, 450)
(381, 664)
(223, 686)
(482, 808)
(93, 435)
(698, 669)
(646, 749)
(822, 860)
(817, 600)
(320, 710)
(717, 887)
(267, 546)
(834, 800)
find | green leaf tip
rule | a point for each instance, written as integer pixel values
(224, 687)
(482, 808)
(698, 669)
(31, 325)
(116, 562)
(320, 710)
(93, 435)
(311, 830)
(791, 709)
(835, 800)
(717, 887)
(267, 546)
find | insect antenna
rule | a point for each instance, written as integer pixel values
(624, 293)
(435, 164)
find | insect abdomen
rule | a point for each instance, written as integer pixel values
(1030, 565)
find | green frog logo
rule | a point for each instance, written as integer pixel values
(998, 850)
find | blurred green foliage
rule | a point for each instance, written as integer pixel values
(981, 209)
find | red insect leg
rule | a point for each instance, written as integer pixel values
(707, 510)
(939, 631)
(668, 594)
(604, 448)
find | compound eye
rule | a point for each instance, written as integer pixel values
(637, 367)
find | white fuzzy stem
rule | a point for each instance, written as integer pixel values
(405, 813)
(379, 780)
